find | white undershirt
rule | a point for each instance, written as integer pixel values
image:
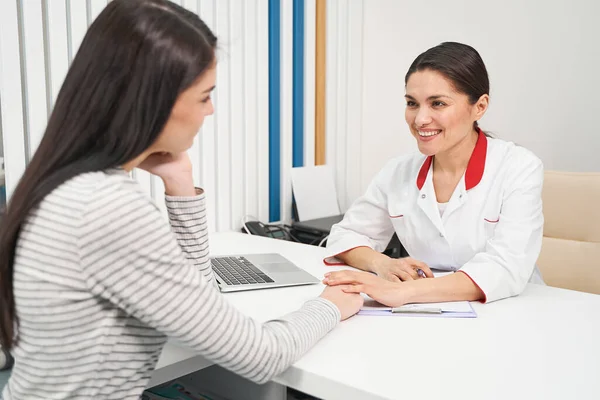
(442, 208)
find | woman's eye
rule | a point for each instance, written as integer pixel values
(205, 100)
(411, 104)
(438, 104)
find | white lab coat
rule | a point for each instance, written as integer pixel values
(491, 228)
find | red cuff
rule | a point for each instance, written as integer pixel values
(332, 263)
(475, 283)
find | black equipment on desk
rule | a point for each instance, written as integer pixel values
(260, 229)
(313, 232)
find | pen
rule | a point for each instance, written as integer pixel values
(421, 273)
(416, 310)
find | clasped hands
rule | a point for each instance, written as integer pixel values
(385, 281)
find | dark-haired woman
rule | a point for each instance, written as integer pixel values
(465, 202)
(92, 279)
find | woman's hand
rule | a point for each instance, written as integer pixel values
(386, 292)
(347, 302)
(175, 170)
(401, 269)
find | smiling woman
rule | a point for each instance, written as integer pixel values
(466, 203)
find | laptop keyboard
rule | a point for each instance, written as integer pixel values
(238, 271)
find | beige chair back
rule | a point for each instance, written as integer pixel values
(570, 256)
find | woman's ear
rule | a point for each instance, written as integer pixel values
(481, 106)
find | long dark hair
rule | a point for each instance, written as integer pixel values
(461, 64)
(134, 61)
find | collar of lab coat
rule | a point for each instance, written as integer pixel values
(427, 199)
(475, 167)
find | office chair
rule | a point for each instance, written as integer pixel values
(570, 256)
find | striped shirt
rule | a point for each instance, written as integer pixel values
(101, 280)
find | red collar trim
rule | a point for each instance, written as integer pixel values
(476, 164)
(423, 172)
(475, 167)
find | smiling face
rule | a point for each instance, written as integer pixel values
(439, 117)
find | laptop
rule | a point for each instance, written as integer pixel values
(258, 271)
(319, 226)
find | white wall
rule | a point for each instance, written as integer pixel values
(542, 58)
(345, 97)
(38, 40)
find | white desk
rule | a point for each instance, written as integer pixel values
(544, 344)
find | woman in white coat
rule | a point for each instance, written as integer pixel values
(466, 202)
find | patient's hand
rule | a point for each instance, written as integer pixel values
(175, 170)
(347, 302)
(385, 292)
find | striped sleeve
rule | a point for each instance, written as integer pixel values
(130, 257)
(187, 216)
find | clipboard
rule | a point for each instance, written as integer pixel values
(455, 309)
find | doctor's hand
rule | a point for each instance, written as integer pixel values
(348, 303)
(400, 269)
(388, 293)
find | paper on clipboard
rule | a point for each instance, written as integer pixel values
(454, 309)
